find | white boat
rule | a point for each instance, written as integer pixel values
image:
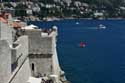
(77, 22)
(101, 26)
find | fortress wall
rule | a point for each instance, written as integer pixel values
(42, 65)
(44, 45)
(5, 61)
(56, 67)
(20, 54)
(23, 74)
(55, 62)
(39, 44)
(21, 51)
(0, 29)
(6, 32)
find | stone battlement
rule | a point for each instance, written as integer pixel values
(26, 53)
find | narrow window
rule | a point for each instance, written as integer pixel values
(14, 66)
(32, 66)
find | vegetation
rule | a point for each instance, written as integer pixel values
(84, 8)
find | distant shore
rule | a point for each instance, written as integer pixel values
(66, 18)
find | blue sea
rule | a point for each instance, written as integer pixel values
(102, 60)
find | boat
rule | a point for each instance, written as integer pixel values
(82, 44)
(101, 26)
(77, 22)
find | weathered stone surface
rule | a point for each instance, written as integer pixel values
(39, 44)
(5, 61)
(6, 32)
(22, 50)
(42, 65)
(35, 48)
(23, 74)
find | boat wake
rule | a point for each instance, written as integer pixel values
(91, 28)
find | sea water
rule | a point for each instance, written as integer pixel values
(102, 60)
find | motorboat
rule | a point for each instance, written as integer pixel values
(82, 44)
(101, 26)
(77, 22)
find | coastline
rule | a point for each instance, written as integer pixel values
(49, 19)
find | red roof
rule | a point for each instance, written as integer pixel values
(17, 25)
(3, 20)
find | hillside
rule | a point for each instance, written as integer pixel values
(67, 8)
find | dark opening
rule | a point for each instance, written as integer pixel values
(14, 66)
(32, 66)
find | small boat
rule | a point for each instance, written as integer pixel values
(82, 44)
(77, 22)
(101, 26)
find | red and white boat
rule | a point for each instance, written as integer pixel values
(82, 44)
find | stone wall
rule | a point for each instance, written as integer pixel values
(39, 44)
(55, 62)
(23, 74)
(6, 32)
(56, 67)
(42, 64)
(46, 44)
(20, 55)
(21, 51)
(5, 61)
